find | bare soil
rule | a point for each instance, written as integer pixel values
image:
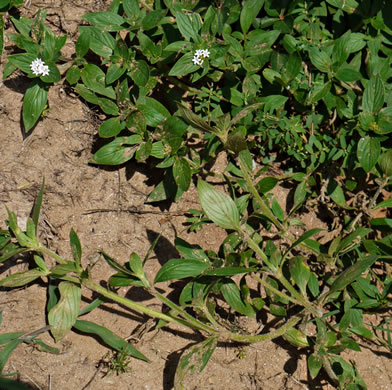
(107, 209)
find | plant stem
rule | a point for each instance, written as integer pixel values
(303, 301)
(142, 309)
(260, 201)
(276, 291)
(188, 318)
(47, 251)
(267, 336)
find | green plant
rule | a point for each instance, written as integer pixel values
(296, 293)
(39, 63)
(6, 5)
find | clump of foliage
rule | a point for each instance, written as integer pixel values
(305, 85)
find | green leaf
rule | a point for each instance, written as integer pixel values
(63, 315)
(114, 72)
(314, 365)
(232, 295)
(386, 163)
(194, 120)
(22, 61)
(219, 207)
(106, 21)
(347, 74)
(260, 43)
(189, 25)
(6, 352)
(121, 279)
(91, 306)
(140, 73)
(229, 271)
(109, 338)
(111, 127)
(299, 195)
(346, 5)
(184, 66)
(249, 12)
(115, 264)
(10, 384)
(73, 74)
(384, 121)
(189, 251)
(34, 102)
(385, 203)
(9, 252)
(19, 279)
(266, 184)
(131, 8)
(278, 310)
(107, 106)
(320, 59)
(153, 111)
(37, 206)
(153, 18)
(1, 35)
(193, 360)
(83, 42)
(182, 173)
(277, 210)
(368, 152)
(296, 338)
(180, 269)
(136, 264)
(76, 247)
(300, 273)
(144, 151)
(236, 143)
(373, 96)
(94, 78)
(305, 236)
(6, 337)
(336, 193)
(350, 274)
(119, 151)
(382, 224)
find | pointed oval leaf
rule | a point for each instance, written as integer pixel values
(368, 152)
(249, 13)
(153, 111)
(109, 338)
(76, 247)
(194, 360)
(182, 174)
(63, 315)
(232, 295)
(110, 128)
(373, 96)
(180, 268)
(22, 278)
(34, 102)
(352, 273)
(219, 207)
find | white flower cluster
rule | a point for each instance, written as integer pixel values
(199, 56)
(39, 68)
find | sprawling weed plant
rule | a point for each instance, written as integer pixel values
(303, 86)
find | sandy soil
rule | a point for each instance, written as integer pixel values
(59, 149)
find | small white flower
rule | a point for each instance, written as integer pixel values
(199, 56)
(39, 68)
(197, 61)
